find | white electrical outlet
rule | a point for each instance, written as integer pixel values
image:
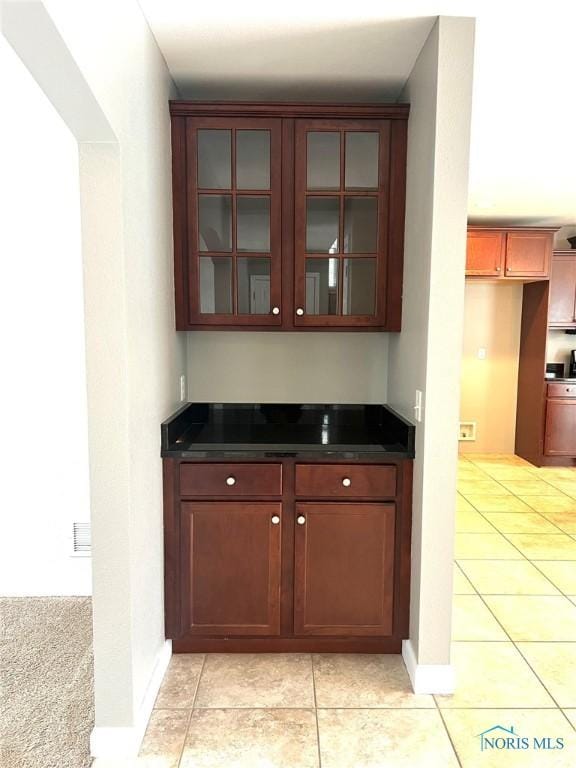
(482, 353)
(182, 388)
(467, 431)
(418, 406)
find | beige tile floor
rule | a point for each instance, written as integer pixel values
(514, 650)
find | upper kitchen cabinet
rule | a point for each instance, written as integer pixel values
(562, 307)
(288, 216)
(521, 253)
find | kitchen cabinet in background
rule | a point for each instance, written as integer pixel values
(521, 253)
(560, 431)
(562, 307)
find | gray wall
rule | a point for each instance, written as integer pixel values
(427, 354)
(287, 367)
(116, 106)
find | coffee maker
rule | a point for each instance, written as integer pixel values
(572, 365)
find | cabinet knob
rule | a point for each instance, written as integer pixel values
(497, 269)
(299, 311)
(346, 482)
(275, 519)
(300, 519)
(231, 480)
(275, 310)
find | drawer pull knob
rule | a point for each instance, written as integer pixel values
(275, 519)
(299, 311)
(300, 519)
(346, 482)
(231, 480)
(275, 310)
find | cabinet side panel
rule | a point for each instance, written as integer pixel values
(396, 220)
(171, 549)
(403, 549)
(179, 206)
(532, 365)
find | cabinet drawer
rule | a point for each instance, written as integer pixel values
(561, 389)
(230, 479)
(345, 480)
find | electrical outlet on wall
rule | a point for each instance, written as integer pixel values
(467, 431)
(183, 388)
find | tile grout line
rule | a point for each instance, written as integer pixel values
(191, 711)
(316, 712)
(513, 642)
(448, 733)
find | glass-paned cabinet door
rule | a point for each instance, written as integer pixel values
(234, 237)
(341, 197)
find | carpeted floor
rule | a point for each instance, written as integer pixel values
(46, 682)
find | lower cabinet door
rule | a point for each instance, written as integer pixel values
(230, 566)
(560, 437)
(344, 569)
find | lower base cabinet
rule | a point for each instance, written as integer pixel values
(344, 569)
(560, 436)
(231, 568)
(287, 573)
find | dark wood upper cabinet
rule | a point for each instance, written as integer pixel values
(231, 561)
(288, 216)
(344, 569)
(562, 307)
(509, 253)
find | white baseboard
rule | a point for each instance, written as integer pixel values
(428, 678)
(125, 742)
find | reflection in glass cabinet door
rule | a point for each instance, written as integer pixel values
(215, 285)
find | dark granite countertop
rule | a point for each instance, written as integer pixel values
(230, 430)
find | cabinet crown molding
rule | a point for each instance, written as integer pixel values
(288, 109)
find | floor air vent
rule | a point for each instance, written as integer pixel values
(81, 540)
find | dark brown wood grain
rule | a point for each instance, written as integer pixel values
(396, 220)
(403, 549)
(560, 433)
(287, 251)
(301, 193)
(230, 567)
(529, 442)
(180, 221)
(249, 479)
(326, 481)
(344, 569)
(214, 627)
(189, 643)
(560, 389)
(289, 109)
(171, 548)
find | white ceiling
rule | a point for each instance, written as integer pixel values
(523, 155)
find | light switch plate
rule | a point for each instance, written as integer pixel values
(418, 406)
(182, 388)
